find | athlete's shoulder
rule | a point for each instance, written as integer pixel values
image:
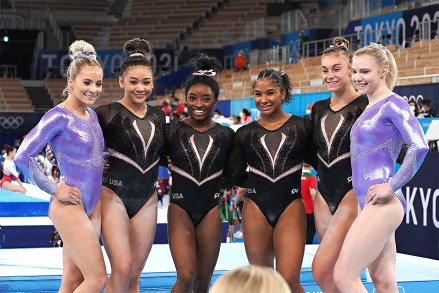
(295, 120)
(223, 127)
(225, 130)
(395, 100)
(57, 110)
(362, 101)
(321, 105)
(247, 128)
(92, 113)
(58, 113)
(175, 126)
(102, 108)
(157, 111)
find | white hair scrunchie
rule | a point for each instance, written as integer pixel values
(209, 72)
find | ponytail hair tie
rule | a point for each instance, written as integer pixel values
(136, 54)
(209, 72)
(384, 48)
(339, 44)
(84, 54)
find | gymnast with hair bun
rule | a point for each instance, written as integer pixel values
(133, 132)
(197, 147)
(72, 130)
(335, 205)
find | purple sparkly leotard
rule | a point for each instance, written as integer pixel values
(78, 147)
(376, 140)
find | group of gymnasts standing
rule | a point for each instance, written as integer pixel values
(353, 141)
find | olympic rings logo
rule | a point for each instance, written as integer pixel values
(418, 99)
(11, 122)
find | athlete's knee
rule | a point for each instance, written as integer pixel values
(101, 282)
(186, 277)
(292, 278)
(134, 284)
(385, 286)
(295, 286)
(322, 274)
(202, 282)
(70, 284)
(123, 271)
(184, 283)
(96, 283)
(342, 279)
(135, 275)
(384, 282)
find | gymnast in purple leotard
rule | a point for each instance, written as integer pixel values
(376, 140)
(77, 144)
(72, 129)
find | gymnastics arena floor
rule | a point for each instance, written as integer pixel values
(39, 269)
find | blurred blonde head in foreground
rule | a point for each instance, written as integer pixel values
(251, 279)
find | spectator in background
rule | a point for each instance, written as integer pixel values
(427, 111)
(251, 279)
(240, 61)
(303, 38)
(414, 107)
(217, 117)
(240, 194)
(309, 189)
(45, 164)
(245, 116)
(178, 110)
(184, 57)
(10, 172)
(308, 111)
(234, 122)
(166, 108)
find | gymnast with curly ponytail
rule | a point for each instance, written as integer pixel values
(273, 149)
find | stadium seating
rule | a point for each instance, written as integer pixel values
(159, 21)
(62, 5)
(199, 23)
(415, 65)
(13, 96)
(230, 24)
